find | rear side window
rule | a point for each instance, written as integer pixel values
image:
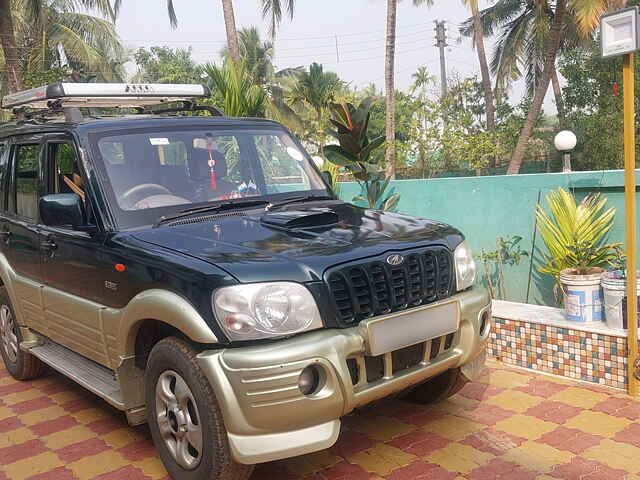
(26, 175)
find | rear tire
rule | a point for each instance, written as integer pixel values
(184, 416)
(20, 364)
(438, 388)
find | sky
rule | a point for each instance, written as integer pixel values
(357, 27)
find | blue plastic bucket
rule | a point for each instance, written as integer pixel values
(582, 296)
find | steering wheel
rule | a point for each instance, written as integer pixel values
(139, 192)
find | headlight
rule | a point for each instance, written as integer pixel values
(465, 266)
(263, 310)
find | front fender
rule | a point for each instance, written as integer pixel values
(166, 307)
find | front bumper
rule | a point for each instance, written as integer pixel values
(267, 417)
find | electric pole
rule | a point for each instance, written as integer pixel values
(441, 38)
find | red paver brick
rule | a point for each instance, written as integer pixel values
(19, 452)
(60, 473)
(32, 405)
(541, 388)
(493, 441)
(54, 387)
(580, 468)
(571, 439)
(351, 442)
(79, 450)
(498, 469)
(420, 419)
(630, 435)
(340, 471)
(14, 388)
(485, 414)
(138, 451)
(272, 471)
(9, 424)
(107, 425)
(556, 412)
(619, 407)
(52, 426)
(420, 442)
(480, 391)
(421, 471)
(77, 405)
(129, 473)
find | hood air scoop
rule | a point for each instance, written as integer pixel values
(300, 219)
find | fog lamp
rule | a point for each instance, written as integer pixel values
(309, 380)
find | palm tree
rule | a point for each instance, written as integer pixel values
(232, 33)
(587, 15)
(421, 79)
(315, 89)
(524, 29)
(54, 33)
(389, 83)
(478, 40)
(272, 10)
(233, 88)
(67, 22)
(9, 50)
(229, 23)
(256, 55)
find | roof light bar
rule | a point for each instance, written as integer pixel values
(124, 95)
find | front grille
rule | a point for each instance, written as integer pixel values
(365, 370)
(365, 290)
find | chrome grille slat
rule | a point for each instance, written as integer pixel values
(364, 290)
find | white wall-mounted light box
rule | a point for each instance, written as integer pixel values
(619, 32)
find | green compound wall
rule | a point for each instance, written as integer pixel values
(484, 208)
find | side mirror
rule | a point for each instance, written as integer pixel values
(327, 177)
(63, 209)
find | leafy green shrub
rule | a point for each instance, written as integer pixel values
(574, 233)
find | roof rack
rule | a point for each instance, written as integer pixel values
(66, 98)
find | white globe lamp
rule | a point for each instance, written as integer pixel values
(565, 141)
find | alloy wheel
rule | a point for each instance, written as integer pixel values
(178, 419)
(8, 333)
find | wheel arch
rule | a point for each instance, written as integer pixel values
(163, 311)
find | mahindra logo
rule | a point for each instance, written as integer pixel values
(395, 260)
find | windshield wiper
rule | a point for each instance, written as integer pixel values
(227, 205)
(299, 199)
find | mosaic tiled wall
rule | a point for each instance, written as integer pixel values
(586, 356)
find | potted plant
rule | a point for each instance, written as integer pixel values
(614, 289)
(574, 235)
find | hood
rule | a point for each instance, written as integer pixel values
(298, 244)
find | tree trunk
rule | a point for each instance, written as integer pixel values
(390, 130)
(484, 67)
(541, 89)
(8, 42)
(557, 91)
(232, 33)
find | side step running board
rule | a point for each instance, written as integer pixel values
(92, 376)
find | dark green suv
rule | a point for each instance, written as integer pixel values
(198, 273)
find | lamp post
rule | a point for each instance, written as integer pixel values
(565, 141)
(619, 34)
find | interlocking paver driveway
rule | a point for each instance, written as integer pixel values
(510, 424)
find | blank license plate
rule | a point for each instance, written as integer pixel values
(404, 329)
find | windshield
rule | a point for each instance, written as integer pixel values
(151, 173)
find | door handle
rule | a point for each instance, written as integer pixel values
(48, 245)
(5, 235)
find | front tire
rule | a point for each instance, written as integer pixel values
(438, 388)
(20, 364)
(184, 416)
